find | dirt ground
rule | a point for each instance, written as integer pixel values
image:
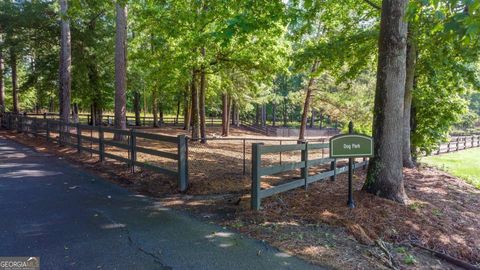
(443, 214)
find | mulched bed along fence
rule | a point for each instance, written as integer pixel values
(306, 162)
(127, 148)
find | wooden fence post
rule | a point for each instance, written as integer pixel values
(182, 163)
(255, 199)
(79, 138)
(133, 150)
(304, 170)
(458, 143)
(101, 146)
(333, 167)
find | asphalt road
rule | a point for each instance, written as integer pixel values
(75, 220)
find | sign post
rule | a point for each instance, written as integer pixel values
(351, 146)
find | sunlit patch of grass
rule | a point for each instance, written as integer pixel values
(463, 164)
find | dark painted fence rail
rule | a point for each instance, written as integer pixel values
(107, 119)
(71, 134)
(258, 171)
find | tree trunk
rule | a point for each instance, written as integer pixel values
(264, 115)
(312, 120)
(257, 114)
(65, 68)
(75, 113)
(120, 70)
(385, 175)
(224, 114)
(308, 98)
(237, 115)
(413, 128)
(136, 108)
(285, 112)
(187, 109)
(160, 106)
(203, 125)
(409, 83)
(178, 111)
(2, 88)
(320, 125)
(229, 113)
(195, 108)
(155, 108)
(13, 66)
(274, 116)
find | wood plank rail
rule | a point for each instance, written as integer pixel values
(71, 134)
(259, 171)
(459, 143)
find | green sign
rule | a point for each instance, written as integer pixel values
(351, 145)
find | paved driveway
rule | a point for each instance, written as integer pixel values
(74, 220)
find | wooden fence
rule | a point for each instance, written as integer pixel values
(71, 134)
(459, 143)
(145, 121)
(258, 171)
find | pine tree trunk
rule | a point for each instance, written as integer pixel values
(228, 114)
(2, 88)
(195, 108)
(320, 126)
(187, 108)
(308, 99)
(409, 84)
(385, 175)
(264, 115)
(65, 69)
(312, 120)
(285, 112)
(224, 114)
(136, 108)
(237, 115)
(13, 66)
(75, 113)
(203, 125)
(155, 108)
(120, 70)
(160, 106)
(274, 116)
(177, 116)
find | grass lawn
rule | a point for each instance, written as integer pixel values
(464, 164)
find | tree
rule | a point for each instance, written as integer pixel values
(120, 69)
(65, 67)
(409, 85)
(13, 66)
(308, 99)
(385, 175)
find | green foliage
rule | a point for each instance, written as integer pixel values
(259, 52)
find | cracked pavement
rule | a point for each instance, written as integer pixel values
(75, 220)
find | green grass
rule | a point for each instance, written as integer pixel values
(464, 164)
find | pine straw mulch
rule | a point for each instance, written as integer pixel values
(443, 214)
